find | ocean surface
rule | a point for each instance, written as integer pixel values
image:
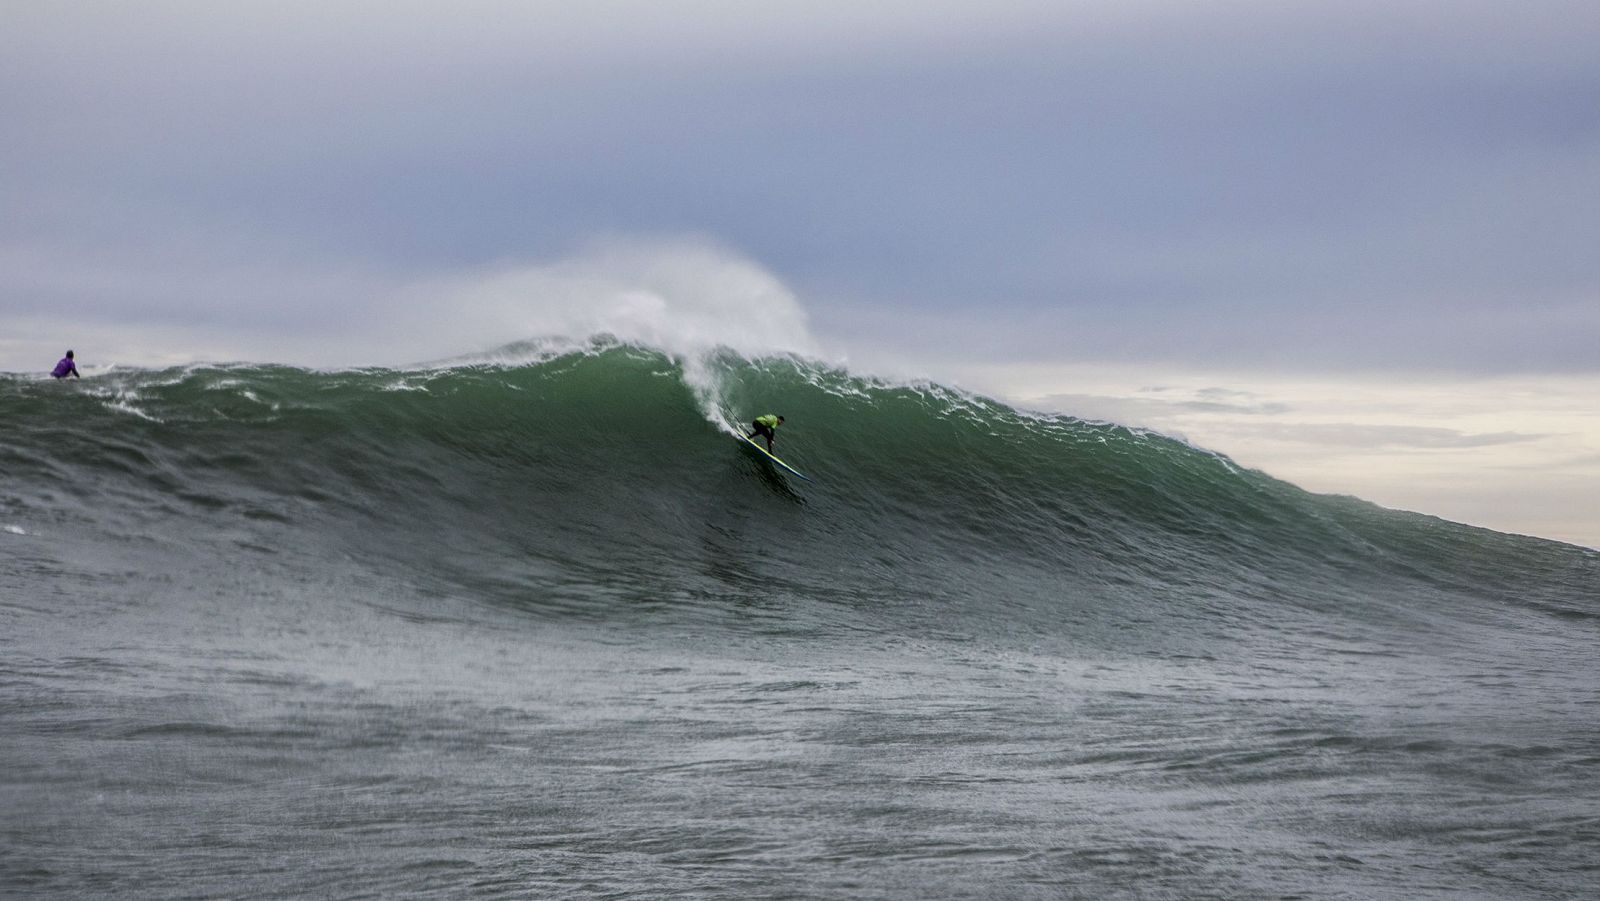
(544, 629)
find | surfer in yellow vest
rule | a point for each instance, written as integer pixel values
(766, 426)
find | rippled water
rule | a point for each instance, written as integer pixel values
(440, 653)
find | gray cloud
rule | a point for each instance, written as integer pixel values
(1352, 434)
(1335, 186)
(1586, 466)
(1144, 409)
(1230, 410)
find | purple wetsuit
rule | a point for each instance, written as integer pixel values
(65, 368)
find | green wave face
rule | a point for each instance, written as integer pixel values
(603, 485)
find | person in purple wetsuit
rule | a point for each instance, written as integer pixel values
(65, 368)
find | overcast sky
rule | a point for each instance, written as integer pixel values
(1209, 217)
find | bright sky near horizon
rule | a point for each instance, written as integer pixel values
(1350, 243)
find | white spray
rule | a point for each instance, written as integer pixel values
(688, 298)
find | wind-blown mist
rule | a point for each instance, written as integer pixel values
(685, 298)
(683, 295)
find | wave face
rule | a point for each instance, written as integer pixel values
(932, 508)
(305, 520)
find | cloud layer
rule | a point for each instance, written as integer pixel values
(1343, 186)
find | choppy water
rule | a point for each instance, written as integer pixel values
(544, 630)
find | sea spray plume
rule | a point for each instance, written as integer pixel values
(699, 303)
(684, 295)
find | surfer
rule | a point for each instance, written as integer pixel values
(65, 368)
(766, 426)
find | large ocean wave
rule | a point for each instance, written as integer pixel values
(540, 475)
